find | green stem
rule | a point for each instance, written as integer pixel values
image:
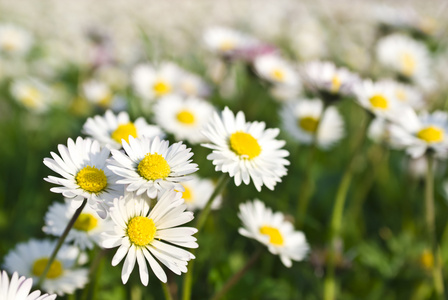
(94, 271)
(430, 223)
(237, 276)
(338, 209)
(188, 279)
(166, 291)
(307, 187)
(61, 241)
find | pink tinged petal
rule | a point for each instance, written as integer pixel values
(129, 264)
(142, 268)
(155, 267)
(121, 253)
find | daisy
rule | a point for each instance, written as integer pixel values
(419, 134)
(111, 129)
(197, 192)
(152, 82)
(14, 40)
(183, 117)
(19, 288)
(378, 98)
(30, 259)
(87, 228)
(274, 69)
(246, 150)
(192, 85)
(149, 166)
(32, 94)
(143, 234)
(406, 94)
(306, 120)
(328, 80)
(82, 164)
(225, 41)
(98, 93)
(272, 230)
(405, 56)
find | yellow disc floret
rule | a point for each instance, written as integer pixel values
(161, 88)
(244, 144)
(186, 117)
(275, 237)
(226, 45)
(278, 75)
(153, 166)
(85, 222)
(187, 195)
(379, 101)
(56, 268)
(408, 63)
(309, 124)
(123, 131)
(431, 134)
(335, 84)
(91, 179)
(427, 259)
(141, 230)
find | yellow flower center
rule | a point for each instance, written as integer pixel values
(185, 117)
(31, 97)
(400, 94)
(91, 179)
(379, 101)
(335, 84)
(309, 124)
(85, 222)
(278, 75)
(123, 131)
(106, 100)
(408, 64)
(244, 144)
(141, 230)
(427, 259)
(187, 195)
(275, 237)
(55, 270)
(431, 134)
(226, 45)
(153, 166)
(161, 88)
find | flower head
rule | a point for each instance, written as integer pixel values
(19, 288)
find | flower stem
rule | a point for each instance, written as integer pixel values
(430, 223)
(166, 291)
(338, 209)
(188, 279)
(237, 276)
(307, 187)
(61, 241)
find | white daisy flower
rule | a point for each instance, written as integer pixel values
(30, 259)
(86, 231)
(19, 288)
(110, 129)
(272, 230)
(225, 41)
(246, 150)
(151, 82)
(405, 56)
(406, 94)
(149, 166)
(276, 70)
(378, 98)
(192, 85)
(327, 79)
(183, 117)
(197, 192)
(98, 93)
(82, 164)
(418, 134)
(14, 40)
(32, 93)
(143, 234)
(394, 16)
(305, 120)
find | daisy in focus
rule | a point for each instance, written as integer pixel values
(82, 165)
(149, 166)
(19, 288)
(31, 93)
(272, 230)
(14, 40)
(405, 56)
(328, 81)
(86, 230)
(110, 129)
(143, 235)
(152, 82)
(197, 191)
(246, 150)
(63, 277)
(183, 117)
(305, 120)
(419, 134)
